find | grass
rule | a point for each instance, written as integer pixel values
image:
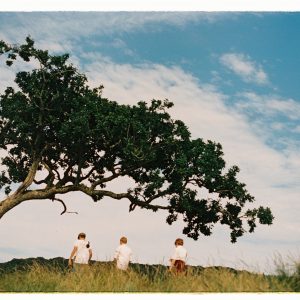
(103, 277)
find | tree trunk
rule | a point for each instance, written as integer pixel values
(9, 203)
(19, 197)
(22, 195)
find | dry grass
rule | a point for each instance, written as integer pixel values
(105, 278)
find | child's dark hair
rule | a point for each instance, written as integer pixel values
(88, 245)
(123, 239)
(81, 235)
(179, 242)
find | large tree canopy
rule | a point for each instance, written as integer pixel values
(59, 135)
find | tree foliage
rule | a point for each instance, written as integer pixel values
(54, 124)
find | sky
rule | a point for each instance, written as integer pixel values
(233, 78)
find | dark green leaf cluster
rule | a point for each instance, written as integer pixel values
(83, 141)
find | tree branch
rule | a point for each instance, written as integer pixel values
(38, 182)
(50, 178)
(88, 174)
(57, 174)
(135, 202)
(65, 207)
(158, 195)
(66, 177)
(29, 179)
(50, 192)
(78, 177)
(103, 180)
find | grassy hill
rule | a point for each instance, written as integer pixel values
(53, 275)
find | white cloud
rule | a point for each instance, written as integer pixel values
(203, 110)
(244, 67)
(271, 112)
(156, 5)
(289, 107)
(8, 74)
(270, 105)
(54, 27)
(277, 126)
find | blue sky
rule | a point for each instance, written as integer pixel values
(233, 78)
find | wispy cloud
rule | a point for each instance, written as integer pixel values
(244, 67)
(270, 105)
(7, 74)
(201, 106)
(54, 27)
(272, 117)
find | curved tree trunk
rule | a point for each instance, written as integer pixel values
(8, 203)
(17, 198)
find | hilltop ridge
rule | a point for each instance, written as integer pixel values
(60, 263)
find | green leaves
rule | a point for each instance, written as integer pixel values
(83, 141)
(9, 62)
(265, 215)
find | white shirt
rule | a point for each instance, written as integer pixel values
(82, 254)
(179, 253)
(123, 256)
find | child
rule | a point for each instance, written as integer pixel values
(81, 251)
(123, 254)
(178, 259)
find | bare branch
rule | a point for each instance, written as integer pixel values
(65, 207)
(57, 174)
(132, 207)
(50, 192)
(40, 181)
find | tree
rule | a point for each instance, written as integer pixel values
(59, 135)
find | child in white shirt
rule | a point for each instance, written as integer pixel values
(81, 251)
(123, 254)
(178, 258)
